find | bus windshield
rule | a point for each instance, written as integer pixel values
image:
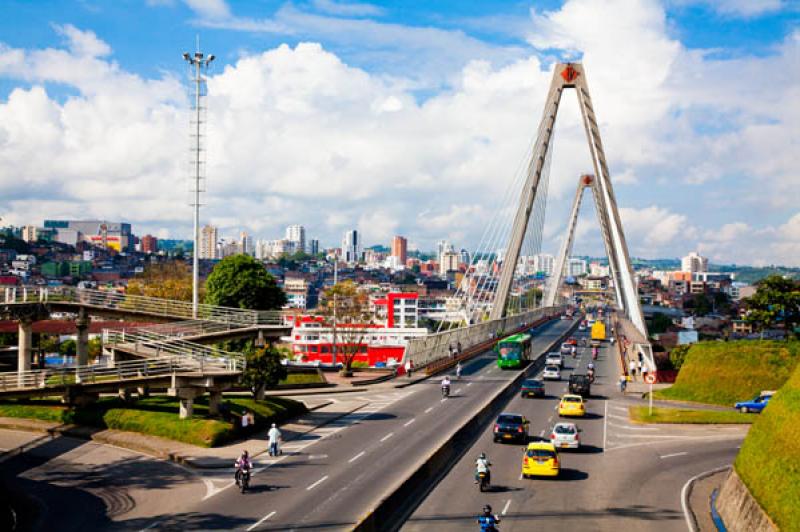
(509, 351)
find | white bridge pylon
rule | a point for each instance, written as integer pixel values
(573, 76)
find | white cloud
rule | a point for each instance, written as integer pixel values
(739, 8)
(347, 9)
(211, 9)
(83, 43)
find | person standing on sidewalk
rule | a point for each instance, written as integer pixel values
(274, 437)
(408, 368)
(632, 368)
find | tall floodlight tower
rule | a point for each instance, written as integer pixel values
(200, 67)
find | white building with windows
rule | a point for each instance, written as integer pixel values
(351, 247)
(297, 234)
(694, 263)
(576, 267)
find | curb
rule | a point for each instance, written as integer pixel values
(193, 462)
(686, 493)
(403, 498)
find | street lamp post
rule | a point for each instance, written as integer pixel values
(200, 64)
(335, 282)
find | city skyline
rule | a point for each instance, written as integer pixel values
(474, 84)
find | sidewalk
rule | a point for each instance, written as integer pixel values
(321, 412)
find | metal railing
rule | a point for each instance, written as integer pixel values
(434, 347)
(180, 329)
(116, 372)
(141, 305)
(153, 345)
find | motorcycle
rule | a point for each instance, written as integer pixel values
(483, 481)
(445, 391)
(590, 374)
(594, 353)
(243, 479)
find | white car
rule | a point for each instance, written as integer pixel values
(551, 373)
(566, 348)
(565, 436)
(554, 359)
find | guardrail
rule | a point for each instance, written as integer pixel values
(179, 329)
(117, 372)
(434, 347)
(140, 304)
(153, 345)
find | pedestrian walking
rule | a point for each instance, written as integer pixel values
(458, 347)
(623, 383)
(245, 421)
(632, 368)
(408, 368)
(274, 437)
(640, 366)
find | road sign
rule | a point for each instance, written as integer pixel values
(650, 378)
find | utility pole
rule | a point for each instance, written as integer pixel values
(335, 282)
(200, 65)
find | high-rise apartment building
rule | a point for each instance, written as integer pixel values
(448, 262)
(149, 244)
(576, 267)
(209, 240)
(545, 263)
(694, 263)
(351, 247)
(313, 247)
(400, 249)
(297, 234)
(246, 244)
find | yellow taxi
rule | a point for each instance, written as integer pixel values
(572, 405)
(540, 460)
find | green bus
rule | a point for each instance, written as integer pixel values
(514, 351)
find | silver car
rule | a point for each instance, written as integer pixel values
(554, 359)
(565, 436)
(551, 373)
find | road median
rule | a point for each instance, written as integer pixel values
(404, 497)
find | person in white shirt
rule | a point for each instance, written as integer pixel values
(274, 437)
(482, 466)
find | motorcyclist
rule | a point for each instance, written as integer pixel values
(482, 466)
(590, 366)
(446, 385)
(243, 463)
(573, 350)
(488, 521)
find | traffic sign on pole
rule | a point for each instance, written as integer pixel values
(650, 378)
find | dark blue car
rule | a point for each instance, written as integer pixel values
(532, 388)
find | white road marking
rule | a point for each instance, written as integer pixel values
(469, 384)
(212, 490)
(672, 454)
(356, 457)
(520, 476)
(409, 422)
(541, 434)
(685, 492)
(317, 456)
(605, 425)
(317, 483)
(443, 399)
(482, 376)
(261, 521)
(428, 409)
(387, 436)
(505, 508)
(628, 427)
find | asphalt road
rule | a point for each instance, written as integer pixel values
(328, 479)
(332, 477)
(625, 477)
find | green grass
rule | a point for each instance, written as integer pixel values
(723, 373)
(158, 416)
(303, 378)
(640, 414)
(769, 461)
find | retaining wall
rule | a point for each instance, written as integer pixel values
(739, 510)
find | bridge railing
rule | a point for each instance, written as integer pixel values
(180, 329)
(116, 372)
(429, 349)
(153, 345)
(140, 304)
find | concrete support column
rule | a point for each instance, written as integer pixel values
(214, 400)
(82, 347)
(186, 408)
(24, 345)
(143, 391)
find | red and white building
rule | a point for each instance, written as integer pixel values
(313, 337)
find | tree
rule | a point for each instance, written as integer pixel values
(678, 355)
(353, 320)
(168, 280)
(68, 347)
(264, 370)
(241, 281)
(777, 300)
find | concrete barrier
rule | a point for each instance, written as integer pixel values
(394, 509)
(739, 509)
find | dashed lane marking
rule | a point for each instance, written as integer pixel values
(409, 422)
(356, 457)
(256, 525)
(387, 437)
(317, 483)
(505, 508)
(428, 409)
(671, 455)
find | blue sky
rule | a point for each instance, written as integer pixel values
(687, 93)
